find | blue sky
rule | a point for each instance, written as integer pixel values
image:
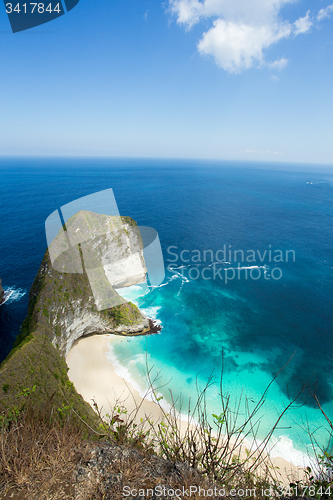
(220, 79)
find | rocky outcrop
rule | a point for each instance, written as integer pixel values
(109, 471)
(2, 293)
(77, 280)
(108, 249)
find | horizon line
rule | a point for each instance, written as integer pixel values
(161, 158)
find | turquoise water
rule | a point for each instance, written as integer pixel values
(200, 328)
(258, 324)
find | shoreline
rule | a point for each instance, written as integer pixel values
(95, 378)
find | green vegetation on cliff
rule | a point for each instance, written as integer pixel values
(61, 309)
(35, 375)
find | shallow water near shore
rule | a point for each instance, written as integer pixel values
(258, 324)
(192, 348)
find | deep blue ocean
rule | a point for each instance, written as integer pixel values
(270, 311)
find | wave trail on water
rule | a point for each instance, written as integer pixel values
(15, 294)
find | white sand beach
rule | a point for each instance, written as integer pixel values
(95, 379)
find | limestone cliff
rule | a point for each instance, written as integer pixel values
(108, 249)
(107, 252)
(64, 306)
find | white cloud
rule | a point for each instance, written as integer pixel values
(303, 24)
(188, 12)
(236, 47)
(264, 152)
(241, 30)
(279, 64)
(324, 13)
(191, 12)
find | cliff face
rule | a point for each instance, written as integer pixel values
(67, 305)
(1, 292)
(108, 249)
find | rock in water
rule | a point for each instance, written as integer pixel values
(2, 293)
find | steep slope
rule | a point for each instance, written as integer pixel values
(65, 306)
(106, 252)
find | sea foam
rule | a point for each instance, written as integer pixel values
(15, 294)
